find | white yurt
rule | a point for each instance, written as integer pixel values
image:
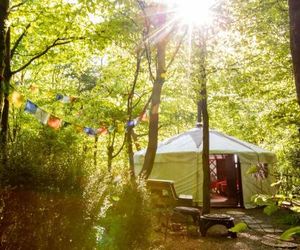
(179, 159)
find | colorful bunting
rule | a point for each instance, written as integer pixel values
(120, 127)
(42, 116)
(65, 99)
(144, 117)
(59, 97)
(111, 129)
(78, 129)
(54, 122)
(17, 99)
(66, 124)
(33, 88)
(89, 131)
(102, 131)
(130, 124)
(30, 107)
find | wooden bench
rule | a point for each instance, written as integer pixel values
(166, 194)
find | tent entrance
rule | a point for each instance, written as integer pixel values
(225, 177)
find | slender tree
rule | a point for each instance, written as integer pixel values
(294, 13)
(4, 6)
(159, 20)
(202, 81)
(130, 106)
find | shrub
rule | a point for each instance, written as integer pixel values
(127, 224)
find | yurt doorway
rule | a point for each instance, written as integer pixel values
(225, 177)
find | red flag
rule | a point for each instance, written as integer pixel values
(144, 117)
(54, 122)
(102, 131)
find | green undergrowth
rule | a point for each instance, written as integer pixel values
(53, 196)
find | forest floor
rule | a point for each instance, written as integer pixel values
(261, 229)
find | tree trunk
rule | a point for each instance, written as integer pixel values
(4, 5)
(156, 94)
(129, 132)
(130, 151)
(205, 150)
(110, 151)
(205, 157)
(294, 13)
(199, 113)
(7, 78)
(154, 116)
(96, 150)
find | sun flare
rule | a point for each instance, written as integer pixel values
(193, 12)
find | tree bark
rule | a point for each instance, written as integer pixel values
(154, 115)
(156, 95)
(294, 13)
(4, 5)
(129, 132)
(130, 151)
(204, 112)
(6, 84)
(96, 150)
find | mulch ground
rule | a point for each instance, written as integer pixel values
(262, 233)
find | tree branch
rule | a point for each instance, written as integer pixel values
(13, 50)
(57, 42)
(17, 5)
(177, 49)
(121, 148)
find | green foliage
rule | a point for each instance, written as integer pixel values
(127, 224)
(250, 95)
(42, 187)
(262, 200)
(270, 209)
(47, 160)
(290, 219)
(289, 233)
(54, 197)
(32, 219)
(240, 227)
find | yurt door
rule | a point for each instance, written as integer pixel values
(224, 180)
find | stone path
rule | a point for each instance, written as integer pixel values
(271, 232)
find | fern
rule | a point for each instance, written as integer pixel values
(289, 233)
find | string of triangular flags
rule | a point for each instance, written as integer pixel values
(56, 123)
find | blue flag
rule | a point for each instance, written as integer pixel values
(59, 97)
(30, 107)
(89, 131)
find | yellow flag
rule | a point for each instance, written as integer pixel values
(78, 129)
(33, 88)
(163, 75)
(17, 99)
(120, 127)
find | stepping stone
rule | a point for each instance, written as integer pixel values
(235, 213)
(269, 230)
(249, 222)
(276, 237)
(277, 230)
(274, 241)
(266, 226)
(253, 226)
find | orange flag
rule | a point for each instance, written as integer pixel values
(54, 122)
(144, 117)
(102, 131)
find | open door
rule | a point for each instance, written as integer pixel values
(225, 181)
